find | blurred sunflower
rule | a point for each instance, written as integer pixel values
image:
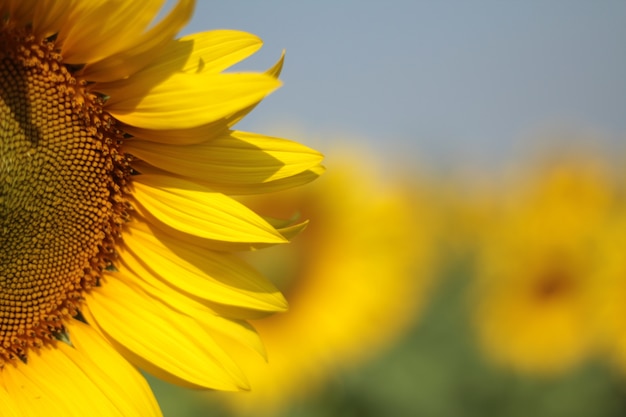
(354, 282)
(539, 268)
(611, 305)
(117, 158)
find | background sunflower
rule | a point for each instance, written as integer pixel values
(461, 98)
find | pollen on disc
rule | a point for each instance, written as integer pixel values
(55, 194)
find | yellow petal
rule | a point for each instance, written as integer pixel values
(212, 51)
(189, 136)
(166, 343)
(237, 331)
(32, 386)
(180, 100)
(119, 23)
(277, 68)
(217, 277)
(191, 208)
(288, 227)
(144, 49)
(272, 186)
(294, 230)
(8, 405)
(49, 15)
(239, 158)
(106, 368)
(244, 189)
(52, 383)
(200, 133)
(274, 72)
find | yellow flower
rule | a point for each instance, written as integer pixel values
(539, 269)
(354, 281)
(117, 159)
(611, 297)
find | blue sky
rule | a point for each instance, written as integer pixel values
(436, 77)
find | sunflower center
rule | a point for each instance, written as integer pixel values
(60, 193)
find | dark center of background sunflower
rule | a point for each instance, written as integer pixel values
(59, 194)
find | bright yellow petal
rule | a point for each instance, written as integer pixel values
(200, 133)
(212, 51)
(106, 368)
(272, 186)
(277, 68)
(160, 340)
(182, 100)
(217, 277)
(144, 48)
(8, 404)
(191, 208)
(189, 136)
(294, 230)
(239, 158)
(34, 394)
(119, 23)
(52, 383)
(274, 72)
(237, 331)
(244, 189)
(288, 227)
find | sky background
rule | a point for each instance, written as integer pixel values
(435, 78)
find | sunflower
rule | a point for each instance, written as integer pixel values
(540, 268)
(611, 299)
(355, 280)
(117, 165)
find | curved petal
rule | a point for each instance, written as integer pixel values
(272, 186)
(217, 277)
(203, 132)
(211, 51)
(144, 49)
(189, 136)
(277, 68)
(8, 404)
(124, 21)
(243, 189)
(164, 101)
(219, 327)
(273, 72)
(106, 368)
(33, 386)
(193, 209)
(171, 345)
(293, 230)
(53, 383)
(49, 16)
(239, 158)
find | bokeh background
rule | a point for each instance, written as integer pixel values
(466, 253)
